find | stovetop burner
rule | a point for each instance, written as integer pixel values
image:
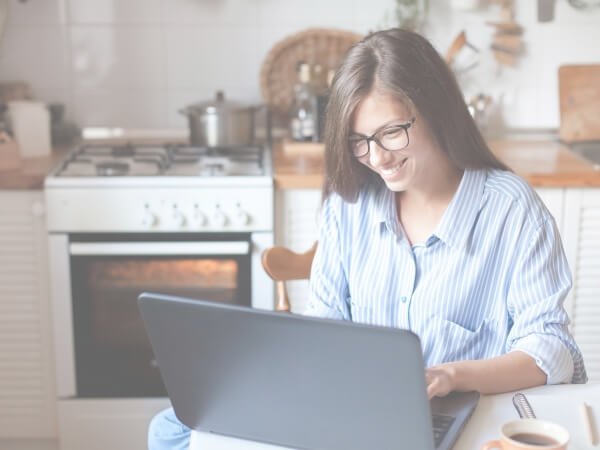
(109, 169)
(123, 151)
(164, 160)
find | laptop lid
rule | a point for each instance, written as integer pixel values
(289, 380)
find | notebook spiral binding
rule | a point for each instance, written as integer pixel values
(522, 406)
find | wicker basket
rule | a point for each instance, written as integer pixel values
(314, 46)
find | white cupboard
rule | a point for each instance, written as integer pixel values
(581, 236)
(296, 215)
(27, 400)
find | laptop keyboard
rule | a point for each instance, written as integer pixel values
(441, 425)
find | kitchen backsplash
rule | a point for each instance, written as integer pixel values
(135, 63)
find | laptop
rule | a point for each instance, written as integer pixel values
(296, 381)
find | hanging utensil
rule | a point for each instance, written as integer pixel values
(462, 56)
(584, 4)
(545, 10)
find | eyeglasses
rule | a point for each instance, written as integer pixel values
(391, 139)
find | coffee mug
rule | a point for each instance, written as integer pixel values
(530, 434)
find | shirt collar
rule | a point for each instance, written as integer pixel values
(458, 219)
(385, 210)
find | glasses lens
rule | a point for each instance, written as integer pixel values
(359, 147)
(394, 138)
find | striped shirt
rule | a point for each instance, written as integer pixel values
(491, 278)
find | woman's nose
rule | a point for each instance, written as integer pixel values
(377, 155)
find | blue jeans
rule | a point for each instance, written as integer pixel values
(166, 432)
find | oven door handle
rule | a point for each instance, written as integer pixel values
(159, 248)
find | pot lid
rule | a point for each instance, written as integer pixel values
(216, 106)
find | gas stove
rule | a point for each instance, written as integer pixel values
(138, 160)
(150, 186)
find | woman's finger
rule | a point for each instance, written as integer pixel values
(432, 387)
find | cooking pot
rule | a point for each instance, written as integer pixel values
(220, 123)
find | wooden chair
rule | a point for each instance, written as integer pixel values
(282, 264)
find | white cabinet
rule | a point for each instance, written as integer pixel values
(581, 236)
(577, 214)
(27, 400)
(296, 215)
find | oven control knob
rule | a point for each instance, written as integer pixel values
(177, 218)
(219, 218)
(241, 217)
(198, 217)
(149, 219)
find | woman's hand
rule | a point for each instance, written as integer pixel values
(509, 372)
(441, 380)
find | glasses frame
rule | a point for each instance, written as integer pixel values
(374, 137)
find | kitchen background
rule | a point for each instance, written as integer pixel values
(135, 63)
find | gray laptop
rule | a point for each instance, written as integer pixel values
(297, 381)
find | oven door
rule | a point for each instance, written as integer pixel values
(107, 272)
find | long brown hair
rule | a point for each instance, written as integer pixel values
(404, 65)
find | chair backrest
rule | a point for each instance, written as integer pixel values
(283, 264)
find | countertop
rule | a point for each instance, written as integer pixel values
(542, 162)
(31, 174)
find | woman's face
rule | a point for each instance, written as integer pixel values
(404, 169)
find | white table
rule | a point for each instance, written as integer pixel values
(559, 404)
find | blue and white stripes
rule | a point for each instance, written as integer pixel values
(492, 277)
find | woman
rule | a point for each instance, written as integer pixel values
(423, 228)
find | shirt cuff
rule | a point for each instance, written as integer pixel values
(316, 308)
(550, 355)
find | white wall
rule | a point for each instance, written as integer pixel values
(526, 95)
(135, 62)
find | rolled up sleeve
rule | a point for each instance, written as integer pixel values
(328, 282)
(539, 286)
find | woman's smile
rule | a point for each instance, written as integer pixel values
(390, 173)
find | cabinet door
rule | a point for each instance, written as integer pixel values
(582, 245)
(297, 212)
(27, 400)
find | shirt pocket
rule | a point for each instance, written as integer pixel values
(381, 313)
(446, 341)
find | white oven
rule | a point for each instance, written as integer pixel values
(113, 237)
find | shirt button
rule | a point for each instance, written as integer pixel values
(403, 299)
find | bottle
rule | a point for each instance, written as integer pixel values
(322, 100)
(318, 79)
(303, 113)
